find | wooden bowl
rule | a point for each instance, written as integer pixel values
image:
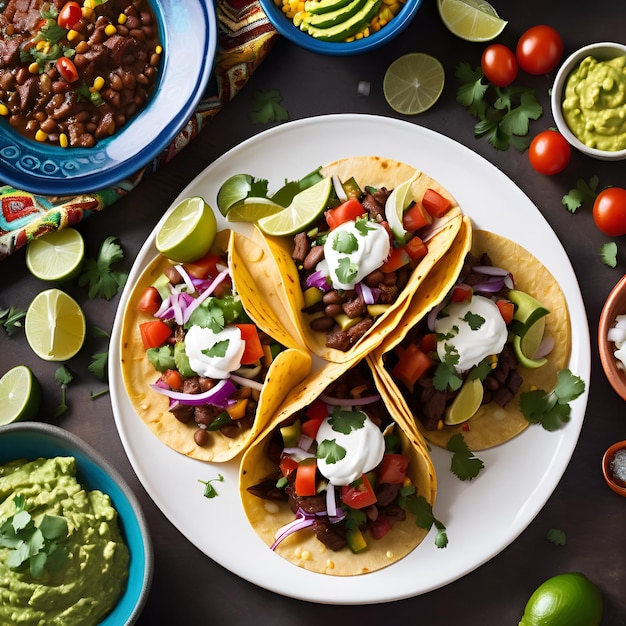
(617, 485)
(614, 305)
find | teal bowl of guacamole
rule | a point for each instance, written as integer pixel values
(74, 544)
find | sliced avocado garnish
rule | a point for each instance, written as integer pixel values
(349, 27)
(527, 311)
(336, 17)
(182, 360)
(324, 6)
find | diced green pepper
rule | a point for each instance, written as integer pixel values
(182, 360)
(291, 434)
(356, 540)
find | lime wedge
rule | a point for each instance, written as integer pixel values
(413, 83)
(233, 190)
(526, 347)
(56, 256)
(398, 200)
(472, 20)
(20, 395)
(188, 231)
(54, 325)
(466, 402)
(252, 209)
(305, 208)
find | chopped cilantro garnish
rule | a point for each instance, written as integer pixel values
(583, 193)
(445, 376)
(267, 107)
(63, 377)
(218, 349)
(209, 489)
(330, 451)
(345, 422)
(608, 253)
(363, 226)
(481, 371)
(473, 320)
(552, 410)
(464, 464)
(98, 275)
(423, 512)
(98, 365)
(556, 536)
(11, 319)
(346, 270)
(345, 242)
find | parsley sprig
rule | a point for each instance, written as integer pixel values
(504, 113)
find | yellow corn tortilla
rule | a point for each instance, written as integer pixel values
(378, 172)
(492, 424)
(302, 548)
(288, 368)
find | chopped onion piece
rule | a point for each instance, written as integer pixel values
(186, 278)
(363, 88)
(205, 294)
(349, 401)
(368, 294)
(246, 382)
(305, 442)
(492, 285)
(331, 503)
(545, 347)
(318, 279)
(298, 454)
(247, 372)
(339, 190)
(218, 395)
(432, 315)
(303, 520)
(490, 270)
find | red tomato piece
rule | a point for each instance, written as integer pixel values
(416, 217)
(507, 310)
(392, 469)
(398, 257)
(310, 427)
(359, 494)
(173, 379)
(428, 343)
(380, 528)
(435, 203)
(154, 334)
(416, 248)
(317, 410)
(539, 49)
(69, 15)
(461, 293)
(254, 350)
(287, 464)
(499, 65)
(67, 69)
(150, 300)
(205, 267)
(306, 484)
(412, 364)
(609, 211)
(350, 210)
(549, 152)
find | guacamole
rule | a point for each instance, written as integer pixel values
(594, 105)
(89, 584)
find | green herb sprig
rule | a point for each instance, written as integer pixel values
(464, 464)
(98, 274)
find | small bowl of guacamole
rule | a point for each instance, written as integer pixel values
(74, 544)
(589, 100)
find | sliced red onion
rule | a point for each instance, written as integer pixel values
(545, 347)
(490, 270)
(492, 285)
(303, 520)
(331, 503)
(432, 315)
(339, 190)
(366, 292)
(509, 283)
(186, 278)
(349, 401)
(434, 228)
(305, 442)
(318, 279)
(218, 395)
(206, 293)
(246, 382)
(298, 454)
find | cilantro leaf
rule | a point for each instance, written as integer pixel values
(552, 410)
(209, 489)
(583, 193)
(473, 320)
(608, 253)
(267, 108)
(464, 465)
(481, 371)
(63, 377)
(98, 365)
(556, 536)
(445, 375)
(346, 270)
(218, 349)
(472, 90)
(363, 226)
(345, 422)
(330, 451)
(423, 512)
(517, 120)
(11, 319)
(162, 358)
(345, 242)
(98, 275)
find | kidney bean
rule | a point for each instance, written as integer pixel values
(333, 297)
(315, 255)
(331, 310)
(201, 437)
(373, 279)
(322, 323)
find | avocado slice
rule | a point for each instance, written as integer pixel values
(346, 29)
(324, 6)
(333, 18)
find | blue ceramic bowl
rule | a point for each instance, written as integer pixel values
(286, 28)
(189, 39)
(33, 440)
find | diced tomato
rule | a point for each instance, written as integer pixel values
(428, 343)
(69, 15)
(416, 217)
(461, 293)
(310, 427)
(416, 248)
(359, 494)
(150, 300)
(173, 379)
(349, 210)
(254, 350)
(287, 465)
(435, 203)
(67, 69)
(380, 527)
(507, 310)
(318, 409)
(306, 484)
(205, 266)
(412, 365)
(392, 469)
(154, 333)
(398, 257)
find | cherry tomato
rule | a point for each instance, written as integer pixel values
(69, 15)
(67, 69)
(609, 211)
(150, 300)
(499, 65)
(549, 152)
(539, 49)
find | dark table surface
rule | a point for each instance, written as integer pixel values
(188, 587)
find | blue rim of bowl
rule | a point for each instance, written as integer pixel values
(286, 28)
(95, 472)
(46, 169)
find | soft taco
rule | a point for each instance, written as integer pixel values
(202, 371)
(335, 480)
(462, 367)
(349, 278)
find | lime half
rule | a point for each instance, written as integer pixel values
(188, 232)
(472, 20)
(54, 325)
(233, 190)
(305, 208)
(466, 402)
(526, 347)
(413, 83)
(56, 256)
(20, 395)
(252, 210)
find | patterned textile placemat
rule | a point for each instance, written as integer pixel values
(245, 36)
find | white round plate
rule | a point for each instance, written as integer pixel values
(482, 516)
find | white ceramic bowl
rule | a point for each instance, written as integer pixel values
(602, 52)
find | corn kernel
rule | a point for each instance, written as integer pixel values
(440, 425)
(88, 12)
(98, 83)
(72, 34)
(110, 29)
(40, 135)
(121, 19)
(330, 564)
(63, 141)
(88, 4)
(306, 555)
(158, 49)
(33, 68)
(4, 109)
(407, 482)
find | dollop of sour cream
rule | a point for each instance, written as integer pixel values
(352, 251)
(473, 330)
(227, 347)
(364, 449)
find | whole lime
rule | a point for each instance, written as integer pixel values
(564, 600)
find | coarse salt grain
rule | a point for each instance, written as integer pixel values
(618, 466)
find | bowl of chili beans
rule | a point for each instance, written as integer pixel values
(91, 91)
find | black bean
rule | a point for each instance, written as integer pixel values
(321, 323)
(331, 310)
